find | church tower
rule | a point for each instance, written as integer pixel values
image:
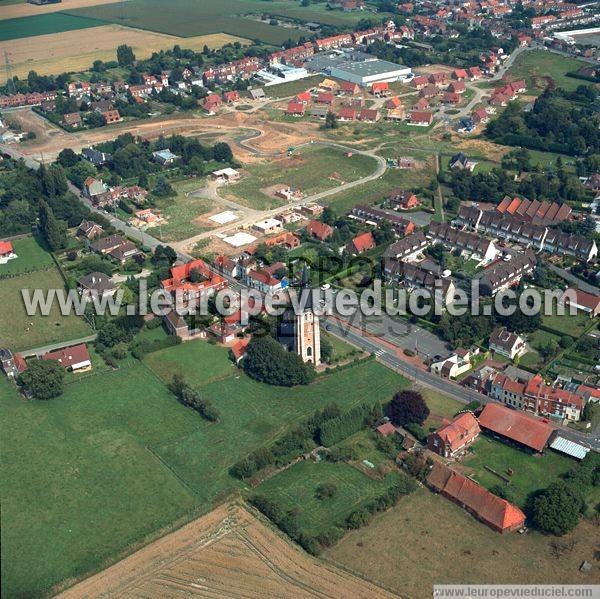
(307, 334)
(300, 332)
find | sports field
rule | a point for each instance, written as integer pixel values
(76, 50)
(311, 170)
(115, 460)
(20, 331)
(187, 18)
(294, 489)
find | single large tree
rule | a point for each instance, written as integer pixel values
(44, 379)
(407, 406)
(125, 55)
(267, 361)
(53, 230)
(557, 508)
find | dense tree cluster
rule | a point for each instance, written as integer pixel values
(559, 121)
(406, 407)
(43, 379)
(267, 361)
(334, 430)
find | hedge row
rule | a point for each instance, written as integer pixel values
(336, 429)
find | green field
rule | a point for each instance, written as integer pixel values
(537, 339)
(545, 64)
(285, 90)
(294, 489)
(20, 331)
(181, 212)
(312, 170)
(567, 324)
(187, 18)
(116, 460)
(56, 22)
(31, 257)
(79, 482)
(529, 472)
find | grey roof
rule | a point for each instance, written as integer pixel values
(569, 447)
(97, 281)
(368, 68)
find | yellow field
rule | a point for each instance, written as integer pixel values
(76, 50)
(13, 11)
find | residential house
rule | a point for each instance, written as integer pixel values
(263, 280)
(461, 162)
(164, 157)
(96, 284)
(231, 97)
(401, 199)
(112, 116)
(421, 118)
(369, 115)
(89, 229)
(303, 97)
(380, 88)
(474, 246)
(586, 302)
(295, 109)
(96, 157)
(374, 216)
(361, 243)
(107, 244)
(346, 113)
(72, 119)
(506, 343)
(74, 358)
(7, 252)
(503, 274)
(457, 87)
(454, 365)
(453, 438)
(191, 281)
(319, 230)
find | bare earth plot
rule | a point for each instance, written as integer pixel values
(76, 50)
(227, 553)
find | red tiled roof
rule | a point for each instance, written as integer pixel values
(489, 508)
(180, 277)
(238, 349)
(363, 242)
(380, 86)
(69, 356)
(347, 113)
(6, 247)
(295, 108)
(303, 97)
(421, 116)
(386, 429)
(515, 425)
(462, 430)
(583, 298)
(325, 97)
(318, 229)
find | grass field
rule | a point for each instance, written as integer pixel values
(545, 64)
(74, 50)
(529, 472)
(31, 257)
(187, 18)
(12, 29)
(20, 331)
(567, 324)
(537, 339)
(79, 484)
(294, 489)
(292, 88)
(117, 459)
(312, 170)
(182, 212)
(427, 540)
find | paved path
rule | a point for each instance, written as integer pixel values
(568, 276)
(38, 351)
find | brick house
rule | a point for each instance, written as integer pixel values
(455, 436)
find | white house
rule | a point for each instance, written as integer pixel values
(506, 343)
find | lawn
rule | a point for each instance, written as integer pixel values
(184, 360)
(292, 88)
(294, 489)
(182, 212)
(253, 414)
(427, 540)
(188, 18)
(441, 407)
(567, 324)
(56, 22)
(341, 349)
(375, 191)
(32, 256)
(529, 472)
(79, 484)
(545, 64)
(312, 170)
(537, 340)
(20, 331)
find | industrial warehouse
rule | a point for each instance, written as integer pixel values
(358, 67)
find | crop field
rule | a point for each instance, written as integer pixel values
(12, 9)
(187, 18)
(12, 29)
(76, 50)
(118, 438)
(294, 489)
(228, 548)
(311, 170)
(535, 66)
(31, 257)
(20, 331)
(182, 212)
(427, 540)
(529, 472)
